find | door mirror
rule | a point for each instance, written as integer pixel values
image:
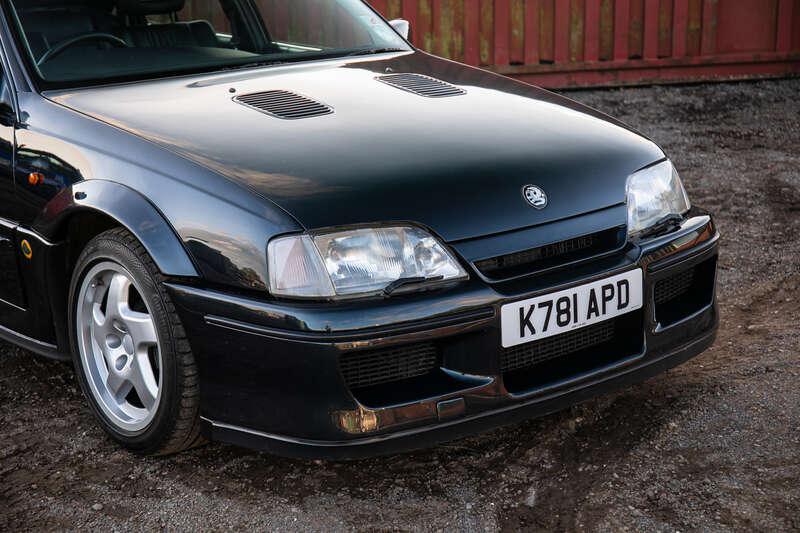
(401, 26)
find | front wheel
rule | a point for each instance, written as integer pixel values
(129, 348)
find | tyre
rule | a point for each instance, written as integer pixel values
(129, 348)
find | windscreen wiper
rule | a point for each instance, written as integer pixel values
(663, 226)
(371, 51)
(254, 64)
(406, 282)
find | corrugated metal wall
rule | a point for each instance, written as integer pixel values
(560, 43)
(563, 43)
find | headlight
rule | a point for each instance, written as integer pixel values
(654, 195)
(357, 262)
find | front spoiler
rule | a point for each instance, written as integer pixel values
(426, 436)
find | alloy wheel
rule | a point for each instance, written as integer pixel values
(119, 347)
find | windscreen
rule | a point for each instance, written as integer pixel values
(79, 42)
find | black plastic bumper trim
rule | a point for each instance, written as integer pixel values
(425, 436)
(461, 319)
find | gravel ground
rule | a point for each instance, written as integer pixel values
(713, 445)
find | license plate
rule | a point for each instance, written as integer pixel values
(562, 311)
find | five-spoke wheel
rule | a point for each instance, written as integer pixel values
(130, 349)
(118, 346)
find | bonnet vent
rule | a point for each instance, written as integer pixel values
(421, 85)
(284, 104)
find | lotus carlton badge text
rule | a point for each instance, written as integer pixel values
(535, 196)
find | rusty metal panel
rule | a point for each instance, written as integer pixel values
(576, 29)
(786, 9)
(560, 43)
(502, 30)
(517, 47)
(795, 26)
(532, 32)
(561, 31)
(747, 25)
(651, 31)
(622, 28)
(606, 30)
(694, 27)
(708, 39)
(680, 26)
(635, 29)
(472, 32)
(666, 12)
(591, 46)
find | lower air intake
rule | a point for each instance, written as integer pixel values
(581, 352)
(365, 369)
(684, 293)
(537, 352)
(673, 287)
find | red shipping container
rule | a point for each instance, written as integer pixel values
(567, 43)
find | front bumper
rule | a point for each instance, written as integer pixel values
(271, 377)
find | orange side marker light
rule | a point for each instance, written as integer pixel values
(27, 251)
(35, 178)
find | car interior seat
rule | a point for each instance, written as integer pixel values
(139, 33)
(49, 22)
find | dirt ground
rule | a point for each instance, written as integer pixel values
(713, 445)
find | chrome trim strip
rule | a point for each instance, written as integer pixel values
(401, 333)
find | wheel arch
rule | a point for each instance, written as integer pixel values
(81, 212)
(107, 202)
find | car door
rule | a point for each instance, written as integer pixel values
(12, 298)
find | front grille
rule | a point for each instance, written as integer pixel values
(421, 85)
(556, 346)
(364, 369)
(674, 286)
(551, 255)
(284, 104)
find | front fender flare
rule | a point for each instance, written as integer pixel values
(131, 210)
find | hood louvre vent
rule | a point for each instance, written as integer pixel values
(421, 85)
(284, 104)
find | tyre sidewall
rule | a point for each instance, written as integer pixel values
(108, 248)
